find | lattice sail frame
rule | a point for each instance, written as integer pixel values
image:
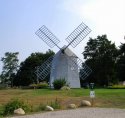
(47, 36)
(82, 68)
(43, 70)
(78, 35)
(73, 39)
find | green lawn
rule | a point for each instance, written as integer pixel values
(114, 98)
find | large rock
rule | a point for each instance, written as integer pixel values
(124, 83)
(85, 103)
(72, 106)
(19, 111)
(49, 108)
(65, 88)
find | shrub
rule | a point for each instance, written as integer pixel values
(3, 86)
(42, 107)
(59, 83)
(15, 104)
(33, 86)
(55, 104)
(42, 85)
(117, 87)
(1, 111)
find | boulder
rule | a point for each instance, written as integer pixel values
(85, 103)
(72, 106)
(49, 108)
(19, 111)
(65, 88)
(124, 83)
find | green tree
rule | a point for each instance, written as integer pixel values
(100, 55)
(121, 63)
(25, 74)
(10, 66)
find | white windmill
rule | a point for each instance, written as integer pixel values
(64, 64)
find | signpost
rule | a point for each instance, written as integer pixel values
(92, 93)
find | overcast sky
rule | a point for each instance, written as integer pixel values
(19, 19)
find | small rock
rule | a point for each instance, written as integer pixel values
(72, 106)
(65, 88)
(19, 111)
(49, 108)
(85, 103)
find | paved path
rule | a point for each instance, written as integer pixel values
(81, 113)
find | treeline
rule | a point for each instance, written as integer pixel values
(105, 59)
(23, 74)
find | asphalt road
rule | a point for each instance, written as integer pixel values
(80, 113)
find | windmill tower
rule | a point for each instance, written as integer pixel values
(65, 63)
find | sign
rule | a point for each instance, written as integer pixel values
(92, 94)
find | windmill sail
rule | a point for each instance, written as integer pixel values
(43, 70)
(84, 70)
(47, 36)
(78, 35)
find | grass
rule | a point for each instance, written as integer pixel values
(111, 98)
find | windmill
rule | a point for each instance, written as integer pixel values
(65, 63)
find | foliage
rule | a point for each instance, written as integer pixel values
(121, 63)
(25, 75)
(3, 86)
(41, 85)
(117, 87)
(59, 83)
(1, 111)
(101, 55)
(15, 104)
(41, 107)
(55, 104)
(10, 66)
(33, 86)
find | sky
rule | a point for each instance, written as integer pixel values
(19, 20)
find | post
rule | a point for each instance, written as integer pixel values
(92, 93)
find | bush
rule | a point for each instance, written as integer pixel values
(3, 86)
(42, 85)
(33, 86)
(13, 105)
(55, 104)
(1, 111)
(42, 107)
(117, 87)
(59, 83)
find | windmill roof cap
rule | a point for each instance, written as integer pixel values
(69, 52)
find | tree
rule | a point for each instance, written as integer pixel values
(100, 55)
(10, 66)
(25, 75)
(121, 63)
